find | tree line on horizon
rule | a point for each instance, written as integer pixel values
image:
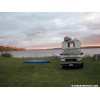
(4, 48)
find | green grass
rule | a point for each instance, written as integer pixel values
(15, 73)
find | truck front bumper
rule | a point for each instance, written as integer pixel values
(71, 64)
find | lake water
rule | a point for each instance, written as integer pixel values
(46, 53)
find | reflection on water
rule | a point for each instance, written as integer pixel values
(46, 53)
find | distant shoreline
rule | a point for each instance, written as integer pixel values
(7, 48)
(22, 49)
(85, 47)
(90, 47)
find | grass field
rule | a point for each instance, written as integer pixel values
(15, 73)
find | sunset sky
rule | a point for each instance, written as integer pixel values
(40, 30)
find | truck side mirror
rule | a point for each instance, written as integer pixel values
(81, 53)
(60, 53)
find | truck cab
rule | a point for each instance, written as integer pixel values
(71, 53)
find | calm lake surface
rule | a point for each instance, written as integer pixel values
(46, 53)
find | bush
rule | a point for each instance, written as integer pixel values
(96, 56)
(6, 54)
(87, 56)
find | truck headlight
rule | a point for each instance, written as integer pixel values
(62, 59)
(79, 59)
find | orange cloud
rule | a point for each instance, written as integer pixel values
(90, 44)
(91, 40)
(45, 46)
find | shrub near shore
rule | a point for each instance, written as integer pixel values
(6, 54)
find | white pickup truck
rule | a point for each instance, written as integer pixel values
(71, 54)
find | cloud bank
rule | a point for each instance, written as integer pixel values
(33, 30)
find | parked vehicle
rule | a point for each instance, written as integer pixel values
(71, 53)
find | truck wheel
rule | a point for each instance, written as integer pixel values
(82, 65)
(62, 67)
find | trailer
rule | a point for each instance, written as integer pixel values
(71, 53)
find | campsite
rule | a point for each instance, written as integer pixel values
(15, 73)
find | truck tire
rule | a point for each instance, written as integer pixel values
(82, 64)
(62, 67)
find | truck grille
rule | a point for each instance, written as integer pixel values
(71, 60)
